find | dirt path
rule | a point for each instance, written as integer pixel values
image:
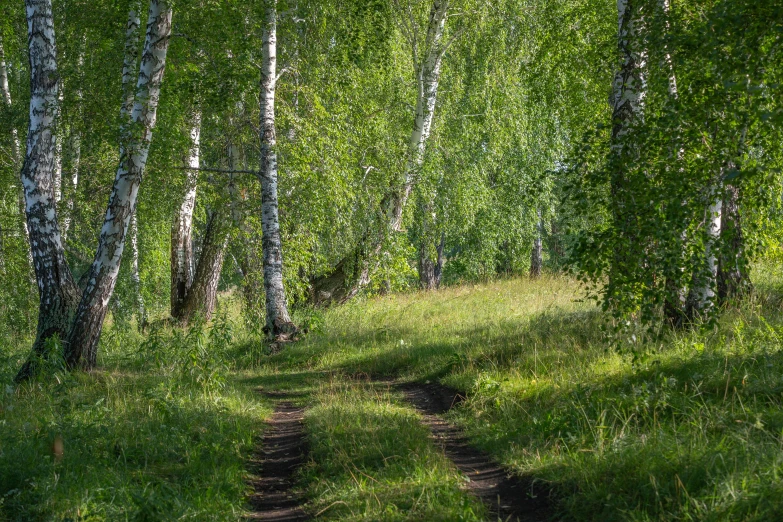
(507, 496)
(283, 450)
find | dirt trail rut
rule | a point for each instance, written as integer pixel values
(507, 496)
(282, 451)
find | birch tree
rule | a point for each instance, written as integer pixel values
(536, 255)
(278, 322)
(56, 288)
(88, 322)
(182, 262)
(339, 286)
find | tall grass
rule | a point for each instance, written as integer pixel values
(159, 433)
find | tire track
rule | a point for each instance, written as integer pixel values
(509, 497)
(282, 452)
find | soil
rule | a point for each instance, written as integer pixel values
(282, 451)
(509, 497)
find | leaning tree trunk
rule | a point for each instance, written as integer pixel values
(182, 229)
(536, 255)
(201, 296)
(57, 290)
(278, 322)
(343, 283)
(85, 332)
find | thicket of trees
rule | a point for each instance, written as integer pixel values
(305, 151)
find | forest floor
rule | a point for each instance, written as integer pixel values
(356, 422)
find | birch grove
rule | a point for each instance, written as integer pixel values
(338, 286)
(396, 145)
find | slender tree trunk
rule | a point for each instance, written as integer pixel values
(627, 109)
(733, 274)
(182, 229)
(702, 295)
(278, 322)
(135, 274)
(536, 256)
(341, 285)
(75, 146)
(16, 152)
(87, 325)
(57, 290)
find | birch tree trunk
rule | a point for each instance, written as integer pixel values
(201, 296)
(703, 292)
(182, 229)
(338, 286)
(56, 287)
(627, 102)
(135, 274)
(87, 325)
(75, 146)
(536, 256)
(278, 322)
(733, 274)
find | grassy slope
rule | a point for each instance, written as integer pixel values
(692, 431)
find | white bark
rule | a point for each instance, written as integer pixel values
(57, 290)
(84, 335)
(182, 229)
(629, 81)
(705, 291)
(135, 274)
(427, 78)
(278, 322)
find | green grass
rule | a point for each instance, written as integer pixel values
(161, 432)
(372, 459)
(690, 429)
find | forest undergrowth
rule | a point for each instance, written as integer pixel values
(686, 428)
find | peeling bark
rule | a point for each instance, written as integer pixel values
(57, 290)
(85, 332)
